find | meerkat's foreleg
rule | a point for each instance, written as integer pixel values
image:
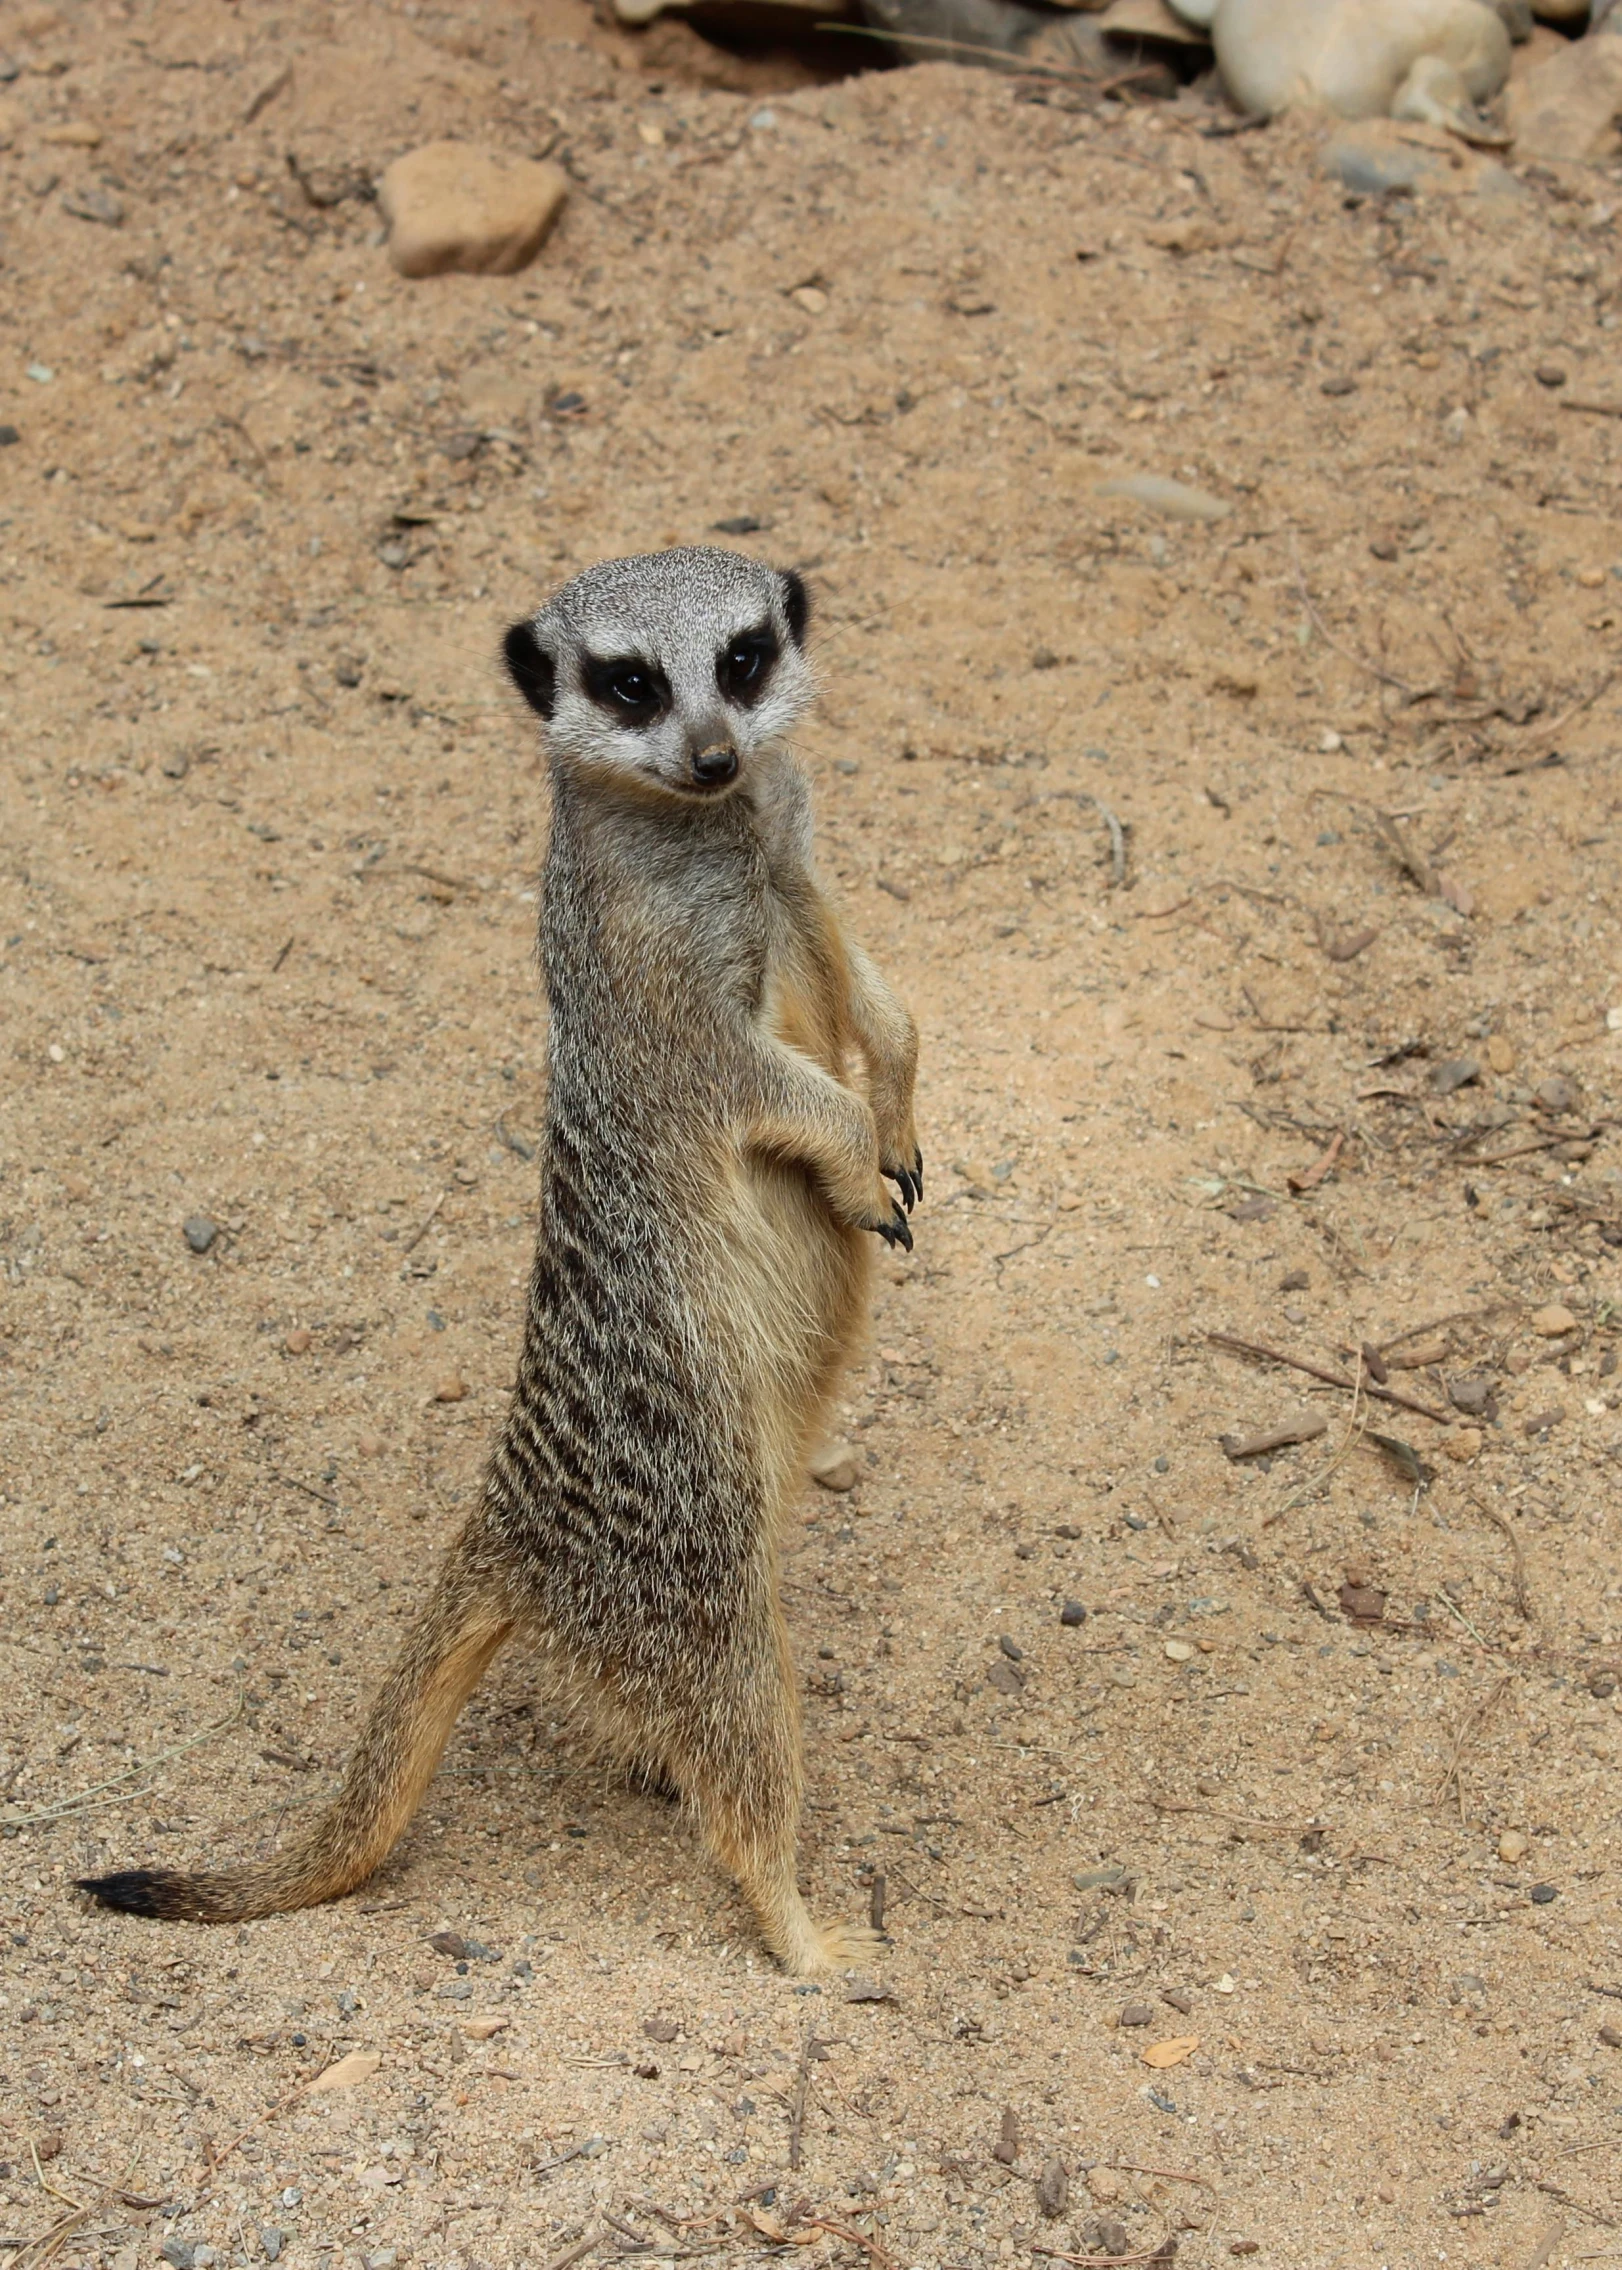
(888, 1040)
(466, 1620)
(738, 1760)
(797, 1112)
(1436, 93)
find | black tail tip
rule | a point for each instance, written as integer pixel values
(139, 1891)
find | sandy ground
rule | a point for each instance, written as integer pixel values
(269, 833)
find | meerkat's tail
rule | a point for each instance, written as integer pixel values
(442, 1662)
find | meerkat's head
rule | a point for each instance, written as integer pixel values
(670, 671)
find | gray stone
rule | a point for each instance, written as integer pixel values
(1373, 168)
(199, 1232)
(95, 204)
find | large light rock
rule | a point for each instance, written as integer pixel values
(451, 205)
(1568, 106)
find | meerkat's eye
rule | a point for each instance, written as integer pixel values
(742, 668)
(630, 689)
(635, 691)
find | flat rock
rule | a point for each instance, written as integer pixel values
(453, 206)
(1374, 156)
(1553, 1322)
(1173, 500)
(1567, 105)
(1151, 19)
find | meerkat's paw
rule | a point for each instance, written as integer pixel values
(831, 1947)
(893, 1227)
(909, 1180)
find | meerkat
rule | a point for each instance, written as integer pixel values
(1432, 61)
(729, 1095)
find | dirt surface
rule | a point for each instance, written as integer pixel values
(269, 833)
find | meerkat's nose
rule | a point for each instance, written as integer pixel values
(715, 766)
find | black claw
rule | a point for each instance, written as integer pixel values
(918, 1171)
(902, 1178)
(900, 1230)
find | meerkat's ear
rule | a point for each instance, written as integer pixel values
(796, 603)
(531, 669)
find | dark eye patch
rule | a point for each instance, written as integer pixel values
(744, 665)
(531, 668)
(631, 690)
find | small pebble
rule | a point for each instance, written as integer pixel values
(835, 1466)
(1611, 2036)
(1544, 1894)
(9, 435)
(1550, 374)
(1072, 1614)
(1011, 1648)
(1137, 2014)
(1339, 385)
(199, 1232)
(1177, 1998)
(1458, 1073)
(1179, 1651)
(451, 1390)
(1556, 1093)
(1512, 1847)
(298, 1341)
(95, 205)
(1471, 1394)
(1053, 2189)
(1553, 1322)
(1383, 548)
(1500, 1054)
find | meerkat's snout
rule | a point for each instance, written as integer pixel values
(715, 766)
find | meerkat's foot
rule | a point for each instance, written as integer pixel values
(909, 1180)
(1435, 94)
(827, 1947)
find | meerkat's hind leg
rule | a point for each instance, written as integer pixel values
(742, 1769)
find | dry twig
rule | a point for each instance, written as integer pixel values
(93, 1799)
(1523, 1604)
(1232, 1341)
(1347, 653)
(417, 1235)
(802, 2087)
(1471, 1724)
(1216, 1813)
